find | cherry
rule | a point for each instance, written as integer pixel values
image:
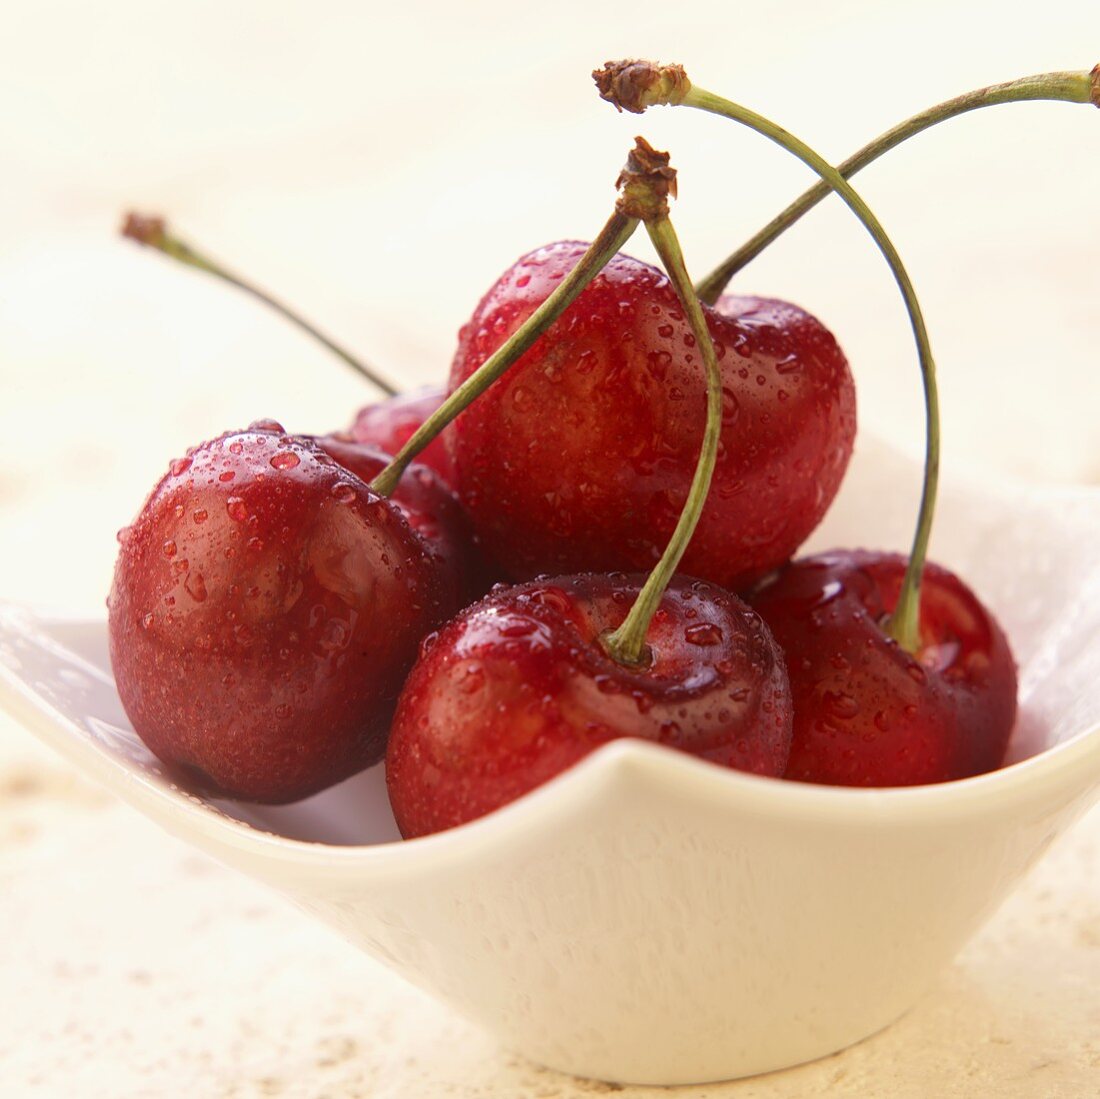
(533, 678)
(265, 609)
(390, 423)
(866, 711)
(519, 687)
(431, 509)
(581, 457)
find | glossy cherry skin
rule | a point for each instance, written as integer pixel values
(580, 457)
(866, 712)
(389, 424)
(265, 610)
(432, 510)
(518, 688)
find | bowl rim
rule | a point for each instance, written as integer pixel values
(1075, 762)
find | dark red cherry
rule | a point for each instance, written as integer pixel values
(868, 713)
(432, 510)
(265, 610)
(580, 457)
(518, 688)
(390, 423)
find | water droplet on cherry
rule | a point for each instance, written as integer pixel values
(285, 459)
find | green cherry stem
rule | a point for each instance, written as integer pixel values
(612, 237)
(1065, 87)
(627, 644)
(904, 624)
(153, 232)
(636, 85)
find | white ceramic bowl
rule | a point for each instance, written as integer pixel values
(651, 918)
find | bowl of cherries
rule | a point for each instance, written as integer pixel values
(607, 691)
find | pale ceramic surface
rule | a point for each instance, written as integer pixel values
(649, 918)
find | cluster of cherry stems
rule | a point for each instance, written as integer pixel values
(558, 567)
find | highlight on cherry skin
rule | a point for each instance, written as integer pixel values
(580, 457)
(519, 687)
(868, 713)
(265, 609)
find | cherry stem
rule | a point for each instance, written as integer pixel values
(1068, 87)
(153, 232)
(904, 624)
(612, 237)
(637, 85)
(627, 644)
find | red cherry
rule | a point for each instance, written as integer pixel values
(518, 688)
(389, 424)
(868, 713)
(432, 510)
(580, 457)
(266, 607)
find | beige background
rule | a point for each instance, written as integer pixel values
(380, 165)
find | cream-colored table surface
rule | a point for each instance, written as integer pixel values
(380, 165)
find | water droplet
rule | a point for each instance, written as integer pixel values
(195, 586)
(146, 620)
(517, 627)
(237, 509)
(665, 331)
(668, 731)
(704, 633)
(829, 592)
(236, 447)
(882, 722)
(789, 365)
(285, 459)
(554, 598)
(169, 548)
(838, 705)
(179, 467)
(336, 635)
(343, 493)
(522, 281)
(255, 544)
(228, 475)
(473, 679)
(284, 710)
(200, 515)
